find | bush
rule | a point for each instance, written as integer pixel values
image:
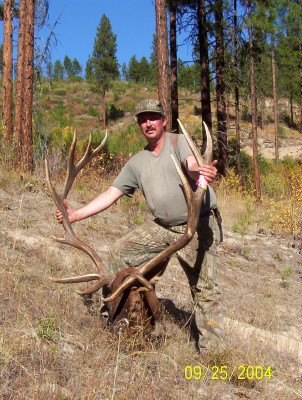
(93, 111)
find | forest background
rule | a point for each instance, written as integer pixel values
(244, 80)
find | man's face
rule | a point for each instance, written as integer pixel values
(152, 125)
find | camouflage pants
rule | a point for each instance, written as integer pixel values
(198, 259)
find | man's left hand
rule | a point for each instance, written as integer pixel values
(209, 171)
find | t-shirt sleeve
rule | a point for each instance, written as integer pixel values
(126, 181)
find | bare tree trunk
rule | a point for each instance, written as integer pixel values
(103, 110)
(254, 110)
(262, 113)
(7, 72)
(275, 100)
(227, 109)
(222, 142)
(173, 62)
(28, 87)
(291, 109)
(236, 90)
(19, 96)
(205, 91)
(163, 87)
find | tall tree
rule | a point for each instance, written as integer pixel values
(274, 81)
(19, 94)
(68, 67)
(76, 67)
(173, 63)
(58, 70)
(133, 69)
(163, 81)
(7, 72)
(266, 20)
(289, 58)
(205, 89)
(236, 86)
(27, 147)
(103, 61)
(222, 143)
(253, 105)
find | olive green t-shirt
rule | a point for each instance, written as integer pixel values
(157, 178)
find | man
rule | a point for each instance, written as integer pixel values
(153, 172)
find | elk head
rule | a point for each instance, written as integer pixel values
(130, 293)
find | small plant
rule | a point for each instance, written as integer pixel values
(93, 111)
(241, 226)
(286, 273)
(48, 329)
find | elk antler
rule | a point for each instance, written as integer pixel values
(104, 277)
(194, 201)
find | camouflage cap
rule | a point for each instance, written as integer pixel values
(149, 105)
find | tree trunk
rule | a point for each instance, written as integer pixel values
(227, 109)
(262, 113)
(7, 72)
(236, 90)
(19, 96)
(275, 100)
(103, 110)
(28, 87)
(173, 61)
(205, 90)
(254, 109)
(222, 142)
(291, 109)
(163, 87)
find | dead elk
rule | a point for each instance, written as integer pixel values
(130, 293)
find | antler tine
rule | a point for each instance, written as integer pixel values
(207, 156)
(72, 168)
(194, 200)
(70, 238)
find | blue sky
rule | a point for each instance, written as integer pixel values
(132, 21)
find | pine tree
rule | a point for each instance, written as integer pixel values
(49, 70)
(163, 73)
(76, 67)
(58, 70)
(28, 90)
(104, 62)
(124, 72)
(256, 170)
(173, 63)
(133, 69)
(68, 67)
(222, 165)
(7, 68)
(144, 70)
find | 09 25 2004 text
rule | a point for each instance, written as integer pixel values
(225, 372)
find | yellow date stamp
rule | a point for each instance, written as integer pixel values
(225, 372)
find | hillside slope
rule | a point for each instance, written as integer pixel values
(52, 346)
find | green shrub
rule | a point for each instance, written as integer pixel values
(93, 111)
(48, 329)
(60, 92)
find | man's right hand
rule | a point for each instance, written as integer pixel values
(71, 213)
